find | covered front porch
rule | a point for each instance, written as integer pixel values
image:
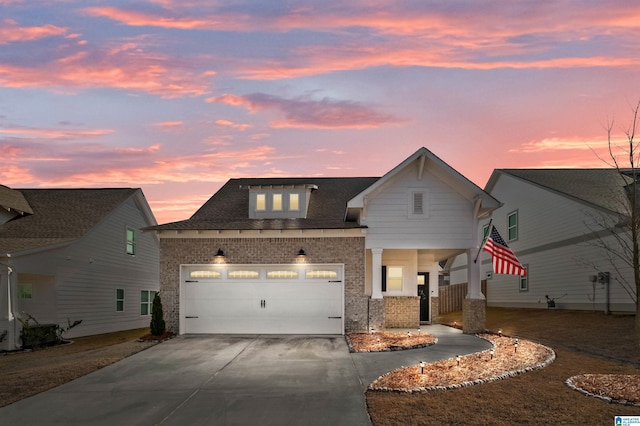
(403, 286)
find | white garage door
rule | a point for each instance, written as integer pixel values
(272, 299)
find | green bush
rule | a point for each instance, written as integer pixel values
(157, 325)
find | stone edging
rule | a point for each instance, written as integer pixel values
(569, 382)
(506, 375)
(389, 349)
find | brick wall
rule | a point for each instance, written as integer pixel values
(402, 312)
(347, 250)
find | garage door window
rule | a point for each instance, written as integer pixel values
(319, 273)
(204, 274)
(244, 274)
(282, 274)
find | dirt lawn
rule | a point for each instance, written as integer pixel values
(28, 373)
(585, 342)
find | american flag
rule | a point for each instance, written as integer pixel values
(504, 259)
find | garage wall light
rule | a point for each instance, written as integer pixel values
(301, 257)
(219, 257)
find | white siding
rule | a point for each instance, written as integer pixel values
(88, 292)
(549, 225)
(88, 272)
(446, 223)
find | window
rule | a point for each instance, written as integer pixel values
(204, 274)
(294, 202)
(282, 274)
(119, 299)
(524, 280)
(512, 225)
(485, 232)
(394, 278)
(321, 274)
(146, 301)
(277, 202)
(261, 202)
(25, 291)
(131, 241)
(244, 274)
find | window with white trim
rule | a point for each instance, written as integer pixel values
(261, 202)
(524, 279)
(246, 274)
(294, 202)
(119, 299)
(131, 241)
(394, 278)
(512, 225)
(146, 301)
(276, 202)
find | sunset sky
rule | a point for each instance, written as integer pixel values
(178, 96)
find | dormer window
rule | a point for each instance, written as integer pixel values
(279, 201)
(261, 202)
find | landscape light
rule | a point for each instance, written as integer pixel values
(491, 353)
(500, 332)
(458, 359)
(408, 334)
(515, 347)
(418, 331)
(422, 367)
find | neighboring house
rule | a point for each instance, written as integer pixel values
(320, 255)
(76, 254)
(548, 219)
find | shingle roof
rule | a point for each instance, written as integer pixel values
(14, 200)
(604, 188)
(228, 209)
(59, 216)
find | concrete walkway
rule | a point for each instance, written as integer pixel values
(231, 380)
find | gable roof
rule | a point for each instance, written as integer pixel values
(601, 188)
(59, 216)
(429, 161)
(228, 209)
(12, 199)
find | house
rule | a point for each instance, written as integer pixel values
(76, 254)
(322, 255)
(553, 220)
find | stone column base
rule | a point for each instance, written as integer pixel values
(376, 314)
(435, 310)
(474, 315)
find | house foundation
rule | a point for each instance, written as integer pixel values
(402, 312)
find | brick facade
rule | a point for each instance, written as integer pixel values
(346, 250)
(402, 312)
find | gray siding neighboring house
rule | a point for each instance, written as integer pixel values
(320, 255)
(556, 212)
(76, 254)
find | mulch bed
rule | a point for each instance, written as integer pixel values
(382, 341)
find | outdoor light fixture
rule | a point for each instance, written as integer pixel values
(418, 331)
(219, 257)
(491, 354)
(378, 340)
(500, 332)
(458, 359)
(301, 253)
(372, 330)
(515, 346)
(422, 367)
(408, 334)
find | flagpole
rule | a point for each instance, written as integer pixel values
(484, 239)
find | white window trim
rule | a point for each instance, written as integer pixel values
(395, 290)
(151, 294)
(120, 300)
(131, 243)
(524, 278)
(516, 226)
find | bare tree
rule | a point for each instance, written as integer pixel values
(617, 234)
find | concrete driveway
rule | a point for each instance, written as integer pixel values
(232, 380)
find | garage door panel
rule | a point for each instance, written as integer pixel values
(262, 307)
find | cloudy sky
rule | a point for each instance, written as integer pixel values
(177, 96)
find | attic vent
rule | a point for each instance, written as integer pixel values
(418, 203)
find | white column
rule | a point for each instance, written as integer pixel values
(376, 273)
(474, 290)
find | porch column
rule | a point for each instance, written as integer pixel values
(474, 304)
(434, 292)
(376, 273)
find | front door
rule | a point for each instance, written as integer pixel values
(423, 292)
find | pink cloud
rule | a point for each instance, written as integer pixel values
(303, 112)
(123, 67)
(49, 133)
(238, 126)
(11, 32)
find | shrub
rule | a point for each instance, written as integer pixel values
(157, 325)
